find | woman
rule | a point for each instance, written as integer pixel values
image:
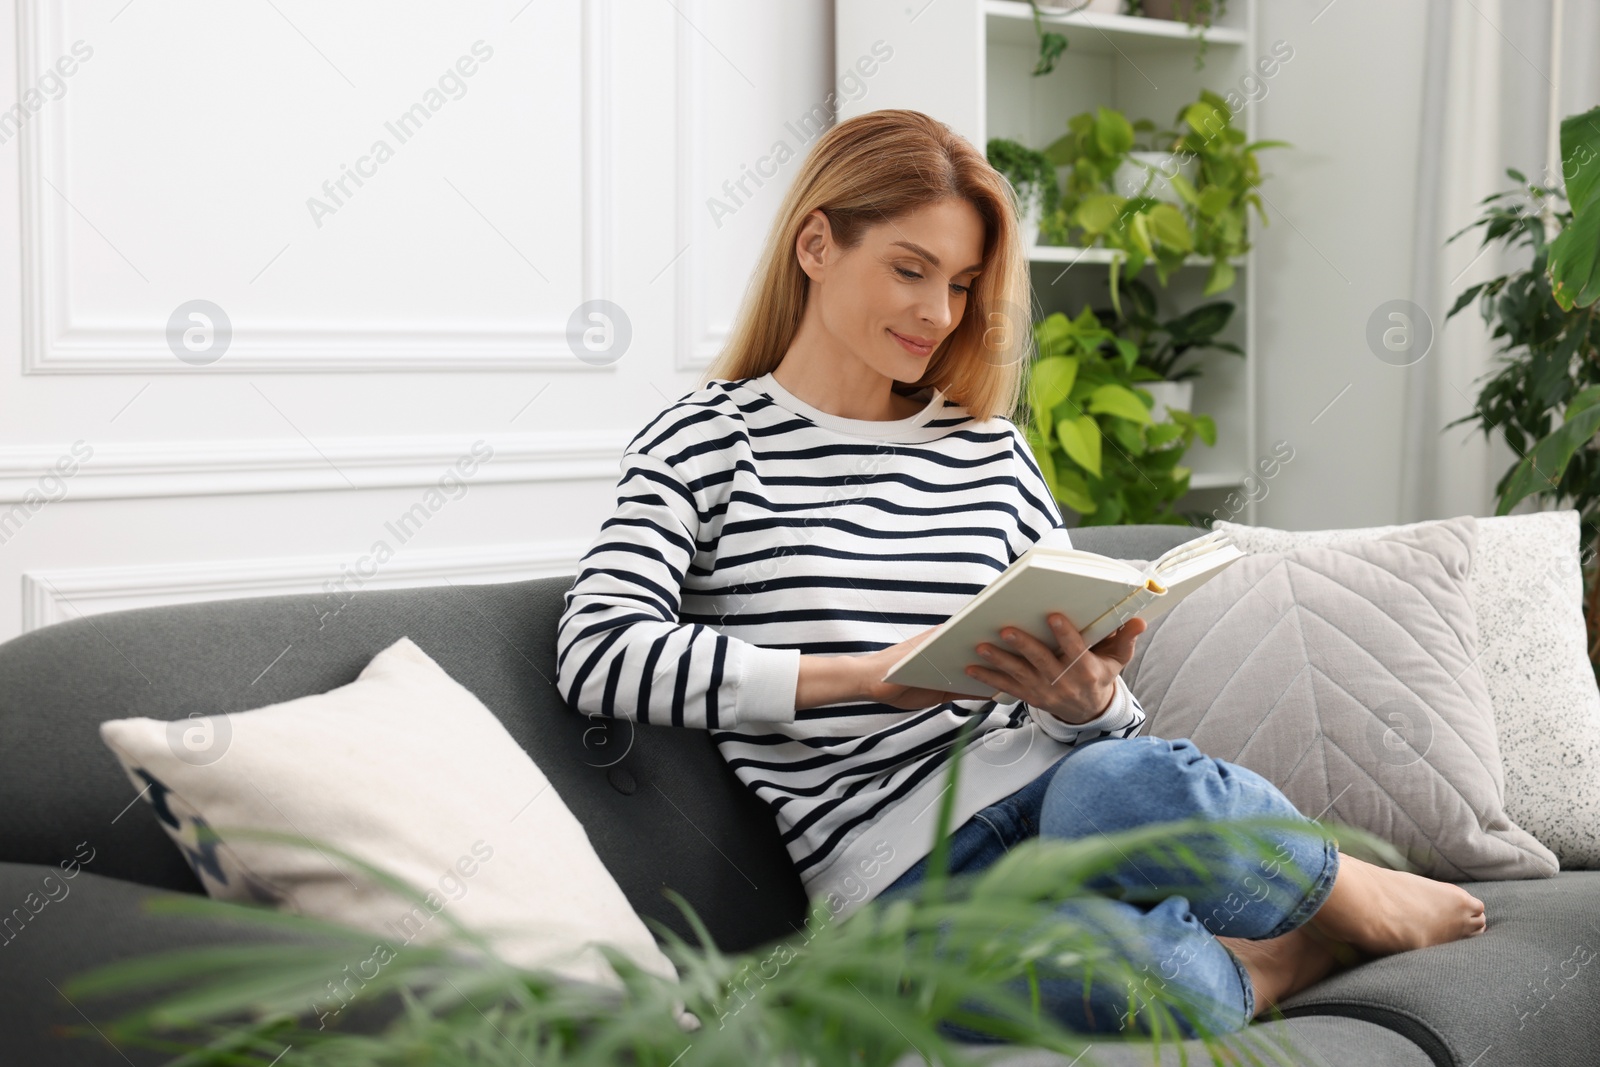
(845, 479)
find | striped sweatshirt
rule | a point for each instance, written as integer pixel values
(752, 528)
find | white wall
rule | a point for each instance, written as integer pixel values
(376, 345)
(1345, 205)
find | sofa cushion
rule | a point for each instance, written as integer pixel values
(1304, 1041)
(1525, 991)
(1345, 675)
(1526, 590)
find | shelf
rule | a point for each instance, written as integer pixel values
(1069, 255)
(1010, 22)
(1222, 480)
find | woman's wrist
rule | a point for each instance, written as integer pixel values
(828, 680)
(1091, 716)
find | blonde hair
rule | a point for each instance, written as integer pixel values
(872, 169)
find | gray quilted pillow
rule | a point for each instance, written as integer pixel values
(1347, 675)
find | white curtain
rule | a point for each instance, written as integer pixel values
(1498, 76)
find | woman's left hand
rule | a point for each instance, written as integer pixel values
(1075, 685)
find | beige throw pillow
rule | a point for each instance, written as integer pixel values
(1348, 676)
(407, 770)
(1526, 590)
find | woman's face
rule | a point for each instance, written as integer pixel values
(907, 279)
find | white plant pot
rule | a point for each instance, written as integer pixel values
(1166, 395)
(1154, 169)
(1032, 216)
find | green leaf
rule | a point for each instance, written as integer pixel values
(1119, 401)
(1575, 259)
(1541, 469)
(1214, 201)
(1585, 400)
(1080, 438)
(1200, 324)
(1185, 190)
(1073, 491)
(1112, 132)
(1128, 350)
(1139, 233)
(1170, 228)
(1580, 158)
(1049, 384)
(1220, 279)
(1099, 212)
(1043, 455)
(1205, 118)
(1162, 434)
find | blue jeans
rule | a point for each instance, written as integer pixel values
(1111, 784)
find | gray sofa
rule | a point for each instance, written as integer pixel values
(1505, 997)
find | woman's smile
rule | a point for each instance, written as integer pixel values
(918, 347)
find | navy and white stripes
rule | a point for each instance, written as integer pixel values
(752, 528)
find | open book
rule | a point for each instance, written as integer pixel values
(1096, 593)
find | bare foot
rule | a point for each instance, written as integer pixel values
(1282, 966)
(1381, 911)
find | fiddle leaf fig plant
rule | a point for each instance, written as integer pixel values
(1090, 428)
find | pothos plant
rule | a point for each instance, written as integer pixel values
(1090, 428)
(1212, 220)
(1545, 395)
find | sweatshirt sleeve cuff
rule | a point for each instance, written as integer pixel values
(768, 679)
(1118, 716)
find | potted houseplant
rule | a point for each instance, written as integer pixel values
(1148, 170)
(1091, 429)
(1210, 218)
(1220, 200)
(1163, 345)
(1199, 15)
(1032, 177)
(1545, 395)
(1143, 228)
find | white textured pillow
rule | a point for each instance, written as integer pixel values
(407, 770)
(1526, 591)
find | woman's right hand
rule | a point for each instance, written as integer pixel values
(874, 665)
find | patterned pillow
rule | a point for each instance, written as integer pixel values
(1347, 675)
(1526, 590)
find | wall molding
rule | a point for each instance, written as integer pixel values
(58, 339)
(698, 342)
(135, 470)
(53, 595)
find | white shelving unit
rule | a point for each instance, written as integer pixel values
(970, 64)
